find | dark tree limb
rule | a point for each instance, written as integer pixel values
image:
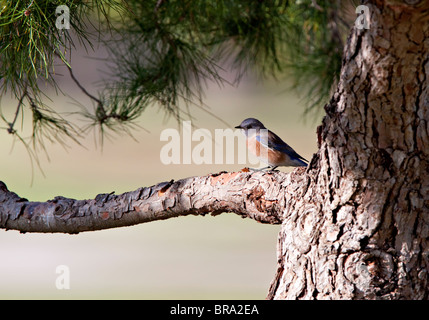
(257, 195)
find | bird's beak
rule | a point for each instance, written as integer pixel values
(237, 127)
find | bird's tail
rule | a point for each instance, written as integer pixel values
(299, 163)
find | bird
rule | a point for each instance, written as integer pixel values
(268, 146)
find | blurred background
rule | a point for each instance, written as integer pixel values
(222, 257)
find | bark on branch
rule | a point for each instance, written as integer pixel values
(261, 196)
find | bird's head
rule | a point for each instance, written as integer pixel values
(250, 123)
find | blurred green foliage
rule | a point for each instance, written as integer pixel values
(163, 52)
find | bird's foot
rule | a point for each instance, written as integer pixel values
(265, 168)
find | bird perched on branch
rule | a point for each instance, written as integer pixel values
(269, 147)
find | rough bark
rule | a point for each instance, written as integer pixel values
(253, 195)
(361, 228)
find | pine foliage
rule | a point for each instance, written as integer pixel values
(163, 52)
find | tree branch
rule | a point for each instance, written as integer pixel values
(261, 196)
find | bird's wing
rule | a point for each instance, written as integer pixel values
(274, 142)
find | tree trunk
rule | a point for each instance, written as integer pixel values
(355, 223)
(359, 228)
